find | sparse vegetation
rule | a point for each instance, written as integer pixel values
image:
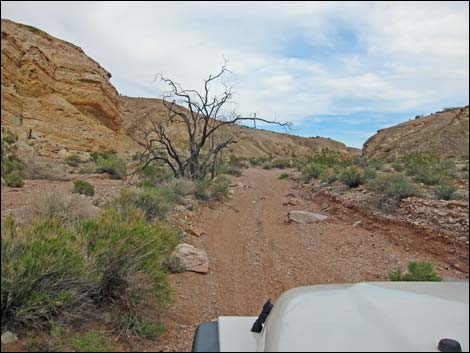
(352, 177)
(392, 188)
(83, 187)
(417, 272)
(428, 169)
(14, 179)
(283, 176)
(151, 201)
(11, 165)
(444, 191)
(110, 163)
(215, 189)
(73, 160)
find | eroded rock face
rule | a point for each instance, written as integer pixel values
(445, 134)
(53, 88)
(193, 259)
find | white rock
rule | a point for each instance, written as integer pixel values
(304, 217)
(193, 259)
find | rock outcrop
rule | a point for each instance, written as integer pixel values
(445, 134)
(54, 95)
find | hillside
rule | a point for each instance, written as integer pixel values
(57, 99)
(445, 134)
(139, 113)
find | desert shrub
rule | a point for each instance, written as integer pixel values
(11, 165)
(49, 270)
(62, 206)
(280, 163)
(154, 174)
(132, 324)
(417, 272)
(393, 188)
(374, 163)
(215, 189)
(398, 166)
(43, 273)
(181, 187)
(123, 244)
(427, 168)
(219, 187)
(83, 187)
(369, 174)
(96, 156)
(444, 191)
(229, 169)
(331, 178)
(109, 162)
(238, 162)
(283, 176)
(267, 165)
(256, 161)
(87, 168)
(151, 201)
(14, 179)
(312, 170)
(73, 160)
(113, 165)
(329, 158)
(352, 177)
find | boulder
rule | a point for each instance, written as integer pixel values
(193, 259)
(9, 337)
(304, 217)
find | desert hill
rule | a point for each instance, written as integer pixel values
(444, 133)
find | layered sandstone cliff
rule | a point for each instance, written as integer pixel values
(54, 95)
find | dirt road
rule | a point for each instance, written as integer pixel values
(255, 255)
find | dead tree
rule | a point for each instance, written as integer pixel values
(203, 121)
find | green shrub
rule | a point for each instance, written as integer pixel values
(219, 187)
(151, 201)
(369, 174)
(427, 168)
(393, 188)
(113, 165)
(83, 187)
(398, 166)
(283, 176)
(280, 163)
(256, 161)
(215, 189)
(49, 270)
(417, 272)
(96, 156)
(352, 177)
(155, 174)
(123, 244)
(11, 165)
(444, 191)
(9, 139)
(73, 160)
(331, 178)
(14, 179)
(229, 169)
(312, 170)
(65, 340)
(43, 273)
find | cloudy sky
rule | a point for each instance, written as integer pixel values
(340, 70)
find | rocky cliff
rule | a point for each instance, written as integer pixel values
(445, 134)
(54, 95)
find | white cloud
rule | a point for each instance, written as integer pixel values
(406, 56)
